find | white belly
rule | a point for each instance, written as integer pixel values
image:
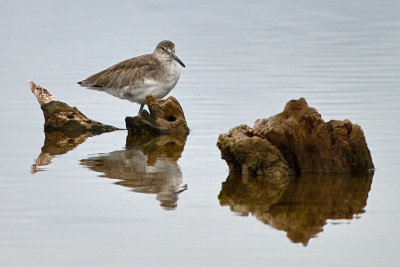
(157, 87)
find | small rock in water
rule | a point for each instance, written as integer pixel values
(166, 117)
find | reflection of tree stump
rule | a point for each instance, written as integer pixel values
(62, 117)
(57, 143)
(169, 147)
(147, 165)
(300, 206)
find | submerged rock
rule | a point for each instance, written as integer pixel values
(296, 140)
(166, 117)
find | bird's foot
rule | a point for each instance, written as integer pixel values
(147, 117)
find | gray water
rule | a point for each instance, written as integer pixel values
(106, 202)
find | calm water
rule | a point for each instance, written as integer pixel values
(109, 201)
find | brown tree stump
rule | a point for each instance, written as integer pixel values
(59, 116)
(296, 140)
(166, 117)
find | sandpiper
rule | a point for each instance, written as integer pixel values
(134, 78)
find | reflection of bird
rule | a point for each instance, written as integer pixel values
(147, 165)
(133, 79)
(132, 168)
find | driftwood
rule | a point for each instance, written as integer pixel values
(66, 127)
(59, 116)
(166, 117)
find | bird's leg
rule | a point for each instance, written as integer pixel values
(141, 109)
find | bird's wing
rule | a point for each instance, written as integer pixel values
(125, 73)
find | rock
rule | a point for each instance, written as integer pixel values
(166, 117)
(304, 141)
(251, 155)
(300, 206)
(59, 116)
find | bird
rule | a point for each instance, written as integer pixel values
(134, 78)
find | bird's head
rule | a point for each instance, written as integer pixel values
(166, 50)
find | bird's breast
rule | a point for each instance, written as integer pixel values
(172, 71)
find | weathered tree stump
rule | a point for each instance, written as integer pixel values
(59, 116)
(166, 117)
(66, 127)
(296, 140)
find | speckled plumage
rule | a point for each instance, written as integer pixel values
(134, 78)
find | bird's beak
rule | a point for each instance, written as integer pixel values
(172, 55)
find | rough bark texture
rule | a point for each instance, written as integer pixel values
(251, 155)
(166, 117)
(59, 116)
(300, 139)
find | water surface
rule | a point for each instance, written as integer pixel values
(101, 201)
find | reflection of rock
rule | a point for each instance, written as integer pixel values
(300, 206)
(166, 117)
(306, 142)
(148, 165)
(57, 143)
(59, 116)
(163, 147)
(245, 195)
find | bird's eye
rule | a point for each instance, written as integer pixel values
(162, 48)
